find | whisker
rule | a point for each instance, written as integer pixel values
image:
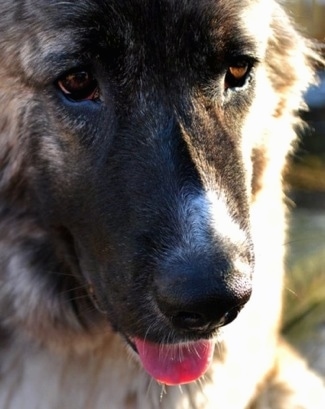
(289, 290)
(149, 387)
(68, 290)
(79, 297)
(162, 392)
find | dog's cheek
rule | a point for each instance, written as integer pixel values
(65, 165)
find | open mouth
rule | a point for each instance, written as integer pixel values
(175, 364)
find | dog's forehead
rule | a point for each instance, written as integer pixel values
(62, 32)
(162, 19)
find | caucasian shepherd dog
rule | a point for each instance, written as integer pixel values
(142, 144)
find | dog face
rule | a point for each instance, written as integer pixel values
(124, 179)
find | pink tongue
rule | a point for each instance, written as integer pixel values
(175, 364)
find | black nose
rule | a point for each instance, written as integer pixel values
(200, 296)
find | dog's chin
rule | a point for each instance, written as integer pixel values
(175, 360)
(173, 364)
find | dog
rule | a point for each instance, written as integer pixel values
(142, 206)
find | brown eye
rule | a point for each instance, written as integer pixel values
(79, 86)
(237, 74)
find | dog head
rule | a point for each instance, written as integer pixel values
(127, 169)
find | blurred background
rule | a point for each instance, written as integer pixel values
(304, 318)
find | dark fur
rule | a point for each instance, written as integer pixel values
(98, 216)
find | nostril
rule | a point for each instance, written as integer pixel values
(190, 321)
(193, 321)
(229, 317)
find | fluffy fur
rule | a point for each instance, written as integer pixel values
(142, 141)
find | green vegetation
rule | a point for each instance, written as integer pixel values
(305, 285)
(307, 174)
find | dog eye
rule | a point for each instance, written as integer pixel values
(79, 86)
(237, 74)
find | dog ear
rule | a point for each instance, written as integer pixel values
(291, 60)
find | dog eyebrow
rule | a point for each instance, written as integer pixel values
(56, 60)
(243, 45)
(57, 63)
